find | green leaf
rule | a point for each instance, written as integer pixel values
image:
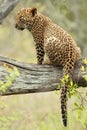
(76, 104)
(85, 77)
(82, 68)
(56, 92)
(85, 61)
(86, 93)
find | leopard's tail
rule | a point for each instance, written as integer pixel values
(64, 104)
(67, 76)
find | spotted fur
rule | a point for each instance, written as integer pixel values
(51, 39)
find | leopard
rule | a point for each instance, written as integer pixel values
(52, 40)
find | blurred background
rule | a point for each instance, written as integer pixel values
(40, 111)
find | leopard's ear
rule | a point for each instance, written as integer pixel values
(34, 11)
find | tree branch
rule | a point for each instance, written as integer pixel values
(6, 6)
(38, 78)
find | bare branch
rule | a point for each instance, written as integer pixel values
(38, 78)
(6, 6)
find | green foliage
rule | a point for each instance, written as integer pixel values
(10, 78)
(79, 105)
(80, 108)
(72, 86)
(65, 80)
(84, 69)
(7, 121)
(72, 89)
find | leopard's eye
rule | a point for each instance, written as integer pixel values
(22, 19)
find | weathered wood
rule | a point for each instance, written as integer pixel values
(6, 6)
(38, 78)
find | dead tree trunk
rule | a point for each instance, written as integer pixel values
(6, 6)
(38, 78)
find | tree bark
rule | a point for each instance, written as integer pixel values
(38, 78)
(6, 6)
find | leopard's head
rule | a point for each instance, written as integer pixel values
(25, 18)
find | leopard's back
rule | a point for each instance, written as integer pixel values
(58, 44)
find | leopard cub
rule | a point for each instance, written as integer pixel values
(51, 39)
